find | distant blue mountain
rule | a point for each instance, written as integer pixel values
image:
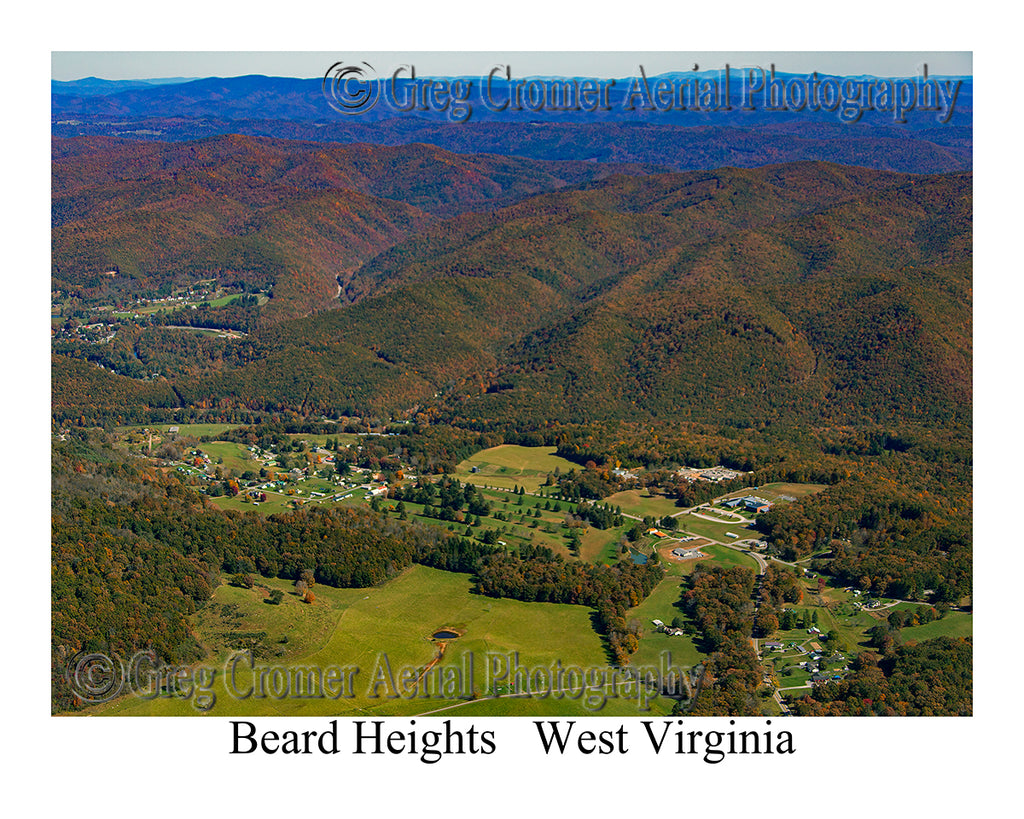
(617, 124)
(91, 86)
(255, 97)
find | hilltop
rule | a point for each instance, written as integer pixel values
(804, 292)
(295, 217)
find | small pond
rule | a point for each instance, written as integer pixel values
(445, 635)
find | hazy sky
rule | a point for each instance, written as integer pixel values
(122, 65)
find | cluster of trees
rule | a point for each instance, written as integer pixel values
(909, 562)
(85, 395)
(601, 515)
(931, 678)
(536, 574)
(719, 601)
(877, 539)
(778, 587)
(591, 483)
(730, 682)
(453, 501)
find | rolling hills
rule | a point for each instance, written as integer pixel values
(807, 293)
(295, 217)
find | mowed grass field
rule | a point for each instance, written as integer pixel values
(509, 465)
(195, 430)
(345, 438)
(641, 503)
(776, 492)
(234, 456)
(661, 605)
(387, 627)
(954, 624)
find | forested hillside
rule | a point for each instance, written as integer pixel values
(832, 295)
(294, 217)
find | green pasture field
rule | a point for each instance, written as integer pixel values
(852, 625)
(381, 631)
(583, 705)
(209, 332)
(722, 555)
(236, 456)
(725, 556)
(510, 465)
(601, 545)
(273, 504)
(661, 605)
(798, 677)
(641, 503)
(346, 438)
(774, 492)
(597, 544)
(182, 305)
(280, 502)
(194, 430)
(726, 516)
(954, 624)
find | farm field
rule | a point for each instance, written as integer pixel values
(278, 501)
(186, 303)
(601, 545)
(195, 430)
(362, 627)
(776, 492)
(954, 624)
(725, 556)
(661, 605)
(509, 465)
(231, 456)
(565, 706)
(528, 523)
(640, 503)
(345, 438)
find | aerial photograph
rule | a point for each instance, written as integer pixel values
(527, 384)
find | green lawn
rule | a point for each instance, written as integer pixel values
(601, 545)
(641, 503)
(345, 438)
(388, 627)
(775, 492)
(585, 704)
(727, 557)
(195, 430)
(510, 465)
(661, 605)
(273, 504)
(235, 456)
(954, 624)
